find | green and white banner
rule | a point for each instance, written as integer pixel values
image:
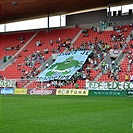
(7, 83)
(109, 85)
(107, 93)
(65, 66)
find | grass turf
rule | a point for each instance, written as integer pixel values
(65, 114)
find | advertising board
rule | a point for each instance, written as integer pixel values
(77, 92)
(107, 93)
(7, 91)
(41, 91)
(20, 91)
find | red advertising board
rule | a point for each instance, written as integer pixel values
(41, 91)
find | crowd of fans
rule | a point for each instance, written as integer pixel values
(99, 48)
(37, 58)
(31, 61)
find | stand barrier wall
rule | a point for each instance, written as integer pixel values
(41, 88)
(68, 92)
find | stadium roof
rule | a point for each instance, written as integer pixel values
(27, 9)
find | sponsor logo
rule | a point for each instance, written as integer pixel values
(108, 92)
(7, 91)
(20, 91)
(72, 92)
(42, 91)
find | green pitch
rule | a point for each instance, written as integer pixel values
(65, 114)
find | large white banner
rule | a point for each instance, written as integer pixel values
(65, 66)
(109, 85)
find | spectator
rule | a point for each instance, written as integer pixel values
(103, 66)
(131, 36)
(21, 42)
(115, 76)
(25, 50)
(77, 25)
(58, 40)
(46, 51)
(47, 65)
(109, 73)
(88, 69)
(51, 42)
(119, 68)
(26, 73)
(76, 85)
(21, 38)
(48, 85)
(100, 31)
(38, 43)
(126, 77)
(131, 78)
(95, 63)
(1, 77)
(68, 38)
(131, 45)
(19, 66)
(129, 67)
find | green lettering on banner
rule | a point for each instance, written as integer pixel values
(99, 92)
(105, 86)
(110, 93)
(120, 85)
(1, 83)
(107, 93)
(115, 85)
(94, 92)
(126, 85)
(100, 85)
(91, 85)
(118, 93)
(96, 85)
(7, 83)
(109, 85)
(131, 86)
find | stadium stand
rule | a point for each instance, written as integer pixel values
(56, 41)
(12, 70)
